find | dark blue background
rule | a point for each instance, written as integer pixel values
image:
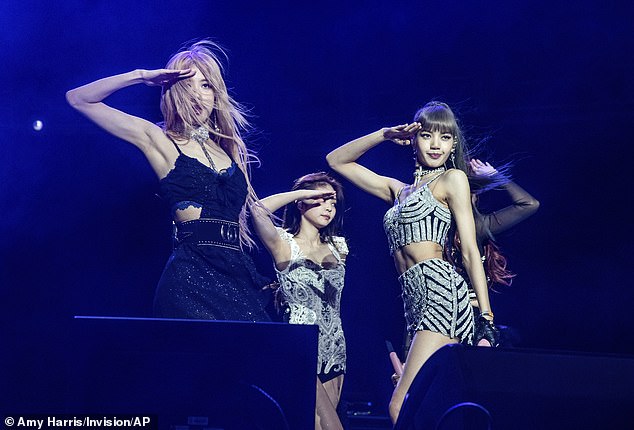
(83, 233)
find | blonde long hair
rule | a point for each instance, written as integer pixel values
(181, 107)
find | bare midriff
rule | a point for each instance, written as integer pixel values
(414, 253)
(187, 214)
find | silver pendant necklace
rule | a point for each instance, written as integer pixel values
(201, 135)
(421, 173)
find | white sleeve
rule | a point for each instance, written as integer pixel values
(295, 251)
(341, 245)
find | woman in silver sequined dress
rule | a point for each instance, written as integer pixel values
(435, 296)
(309, 256)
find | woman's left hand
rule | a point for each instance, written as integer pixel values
(486, 331)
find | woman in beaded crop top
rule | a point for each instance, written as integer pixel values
(435, 297)
(199, 156)
(309, 258)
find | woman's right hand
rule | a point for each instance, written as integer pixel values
(481, 169)
(398, 368)
(165, 77)
(309, 196)
(401, 134)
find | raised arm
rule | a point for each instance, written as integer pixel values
(523, 204)
(458, 197)
(343, 161)
(265, 228)
(88, 100)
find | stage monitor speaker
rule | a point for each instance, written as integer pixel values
(195, 374)
(487, 388)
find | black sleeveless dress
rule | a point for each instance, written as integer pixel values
(208, 282)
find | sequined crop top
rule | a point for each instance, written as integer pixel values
(418, 218)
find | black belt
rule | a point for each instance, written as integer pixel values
(209, 231)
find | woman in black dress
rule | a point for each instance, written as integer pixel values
(201, 161)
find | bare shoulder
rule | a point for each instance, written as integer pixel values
(455, 175)
(454, 179)
(450, 184)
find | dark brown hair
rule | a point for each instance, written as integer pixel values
(312, 181)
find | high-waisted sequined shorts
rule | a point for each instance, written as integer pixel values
(436, 298)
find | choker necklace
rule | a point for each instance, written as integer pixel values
(421, 172)
(201, 135)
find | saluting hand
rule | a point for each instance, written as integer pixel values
(312, 196)
(401, 134)
(165, 77)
